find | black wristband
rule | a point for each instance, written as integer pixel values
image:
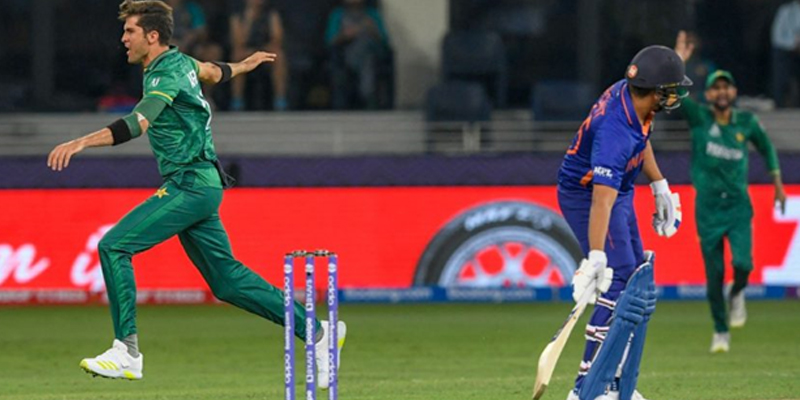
(120, 131)
(226, 70)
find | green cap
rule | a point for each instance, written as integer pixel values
(719, 74)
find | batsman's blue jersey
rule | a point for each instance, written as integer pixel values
(608, 150)
(609, 146)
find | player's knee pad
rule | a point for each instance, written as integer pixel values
(628, 316)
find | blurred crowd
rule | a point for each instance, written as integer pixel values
(341, 73)
(785, 37)
(332, 54)
(337, 54)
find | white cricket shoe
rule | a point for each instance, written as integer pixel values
(637, 396)
(115, 363)
(321, 348)
(721, 343)
(738, 313)
(611, 395)
(614, 395)
(608, 396)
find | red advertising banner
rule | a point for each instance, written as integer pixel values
(386, 237)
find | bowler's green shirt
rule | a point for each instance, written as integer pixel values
(181, 135)
(719, 152)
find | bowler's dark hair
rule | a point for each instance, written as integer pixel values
(153, 16)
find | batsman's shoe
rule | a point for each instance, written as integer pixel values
(637, 396)
(738, 313)
(323, 369)
(614, 395)
(721, 342)
(115, 363)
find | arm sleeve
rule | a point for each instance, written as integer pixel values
(691, 110)
(764, 146)
(610, 156)
(196, 66)
(163, 86)
(149, 108)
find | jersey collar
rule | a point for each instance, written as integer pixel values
(630, 113)
(731, 121)
(172, 49)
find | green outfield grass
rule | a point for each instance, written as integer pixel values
(420, 352)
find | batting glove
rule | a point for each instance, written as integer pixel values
(592, 269)
(667, 217)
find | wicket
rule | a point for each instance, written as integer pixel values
(310, 307)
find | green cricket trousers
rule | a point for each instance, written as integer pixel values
(186, 205)
(719, 218)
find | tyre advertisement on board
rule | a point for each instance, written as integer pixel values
(387, 238)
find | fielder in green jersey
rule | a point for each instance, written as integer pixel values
(177, 119)
(720, 134)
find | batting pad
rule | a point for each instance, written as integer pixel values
(631, 307)
(630, 370)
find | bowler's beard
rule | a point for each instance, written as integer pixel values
(722, 108)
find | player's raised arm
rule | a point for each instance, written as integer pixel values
(683, 46)
(218, 72)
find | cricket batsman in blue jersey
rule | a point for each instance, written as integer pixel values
(595, 194)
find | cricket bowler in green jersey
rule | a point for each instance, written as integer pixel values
(177, 119)
(720, 134)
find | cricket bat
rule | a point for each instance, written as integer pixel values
(551, 353)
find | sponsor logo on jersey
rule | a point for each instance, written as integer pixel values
(723, 152)
(603, 172)
(155, 82)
